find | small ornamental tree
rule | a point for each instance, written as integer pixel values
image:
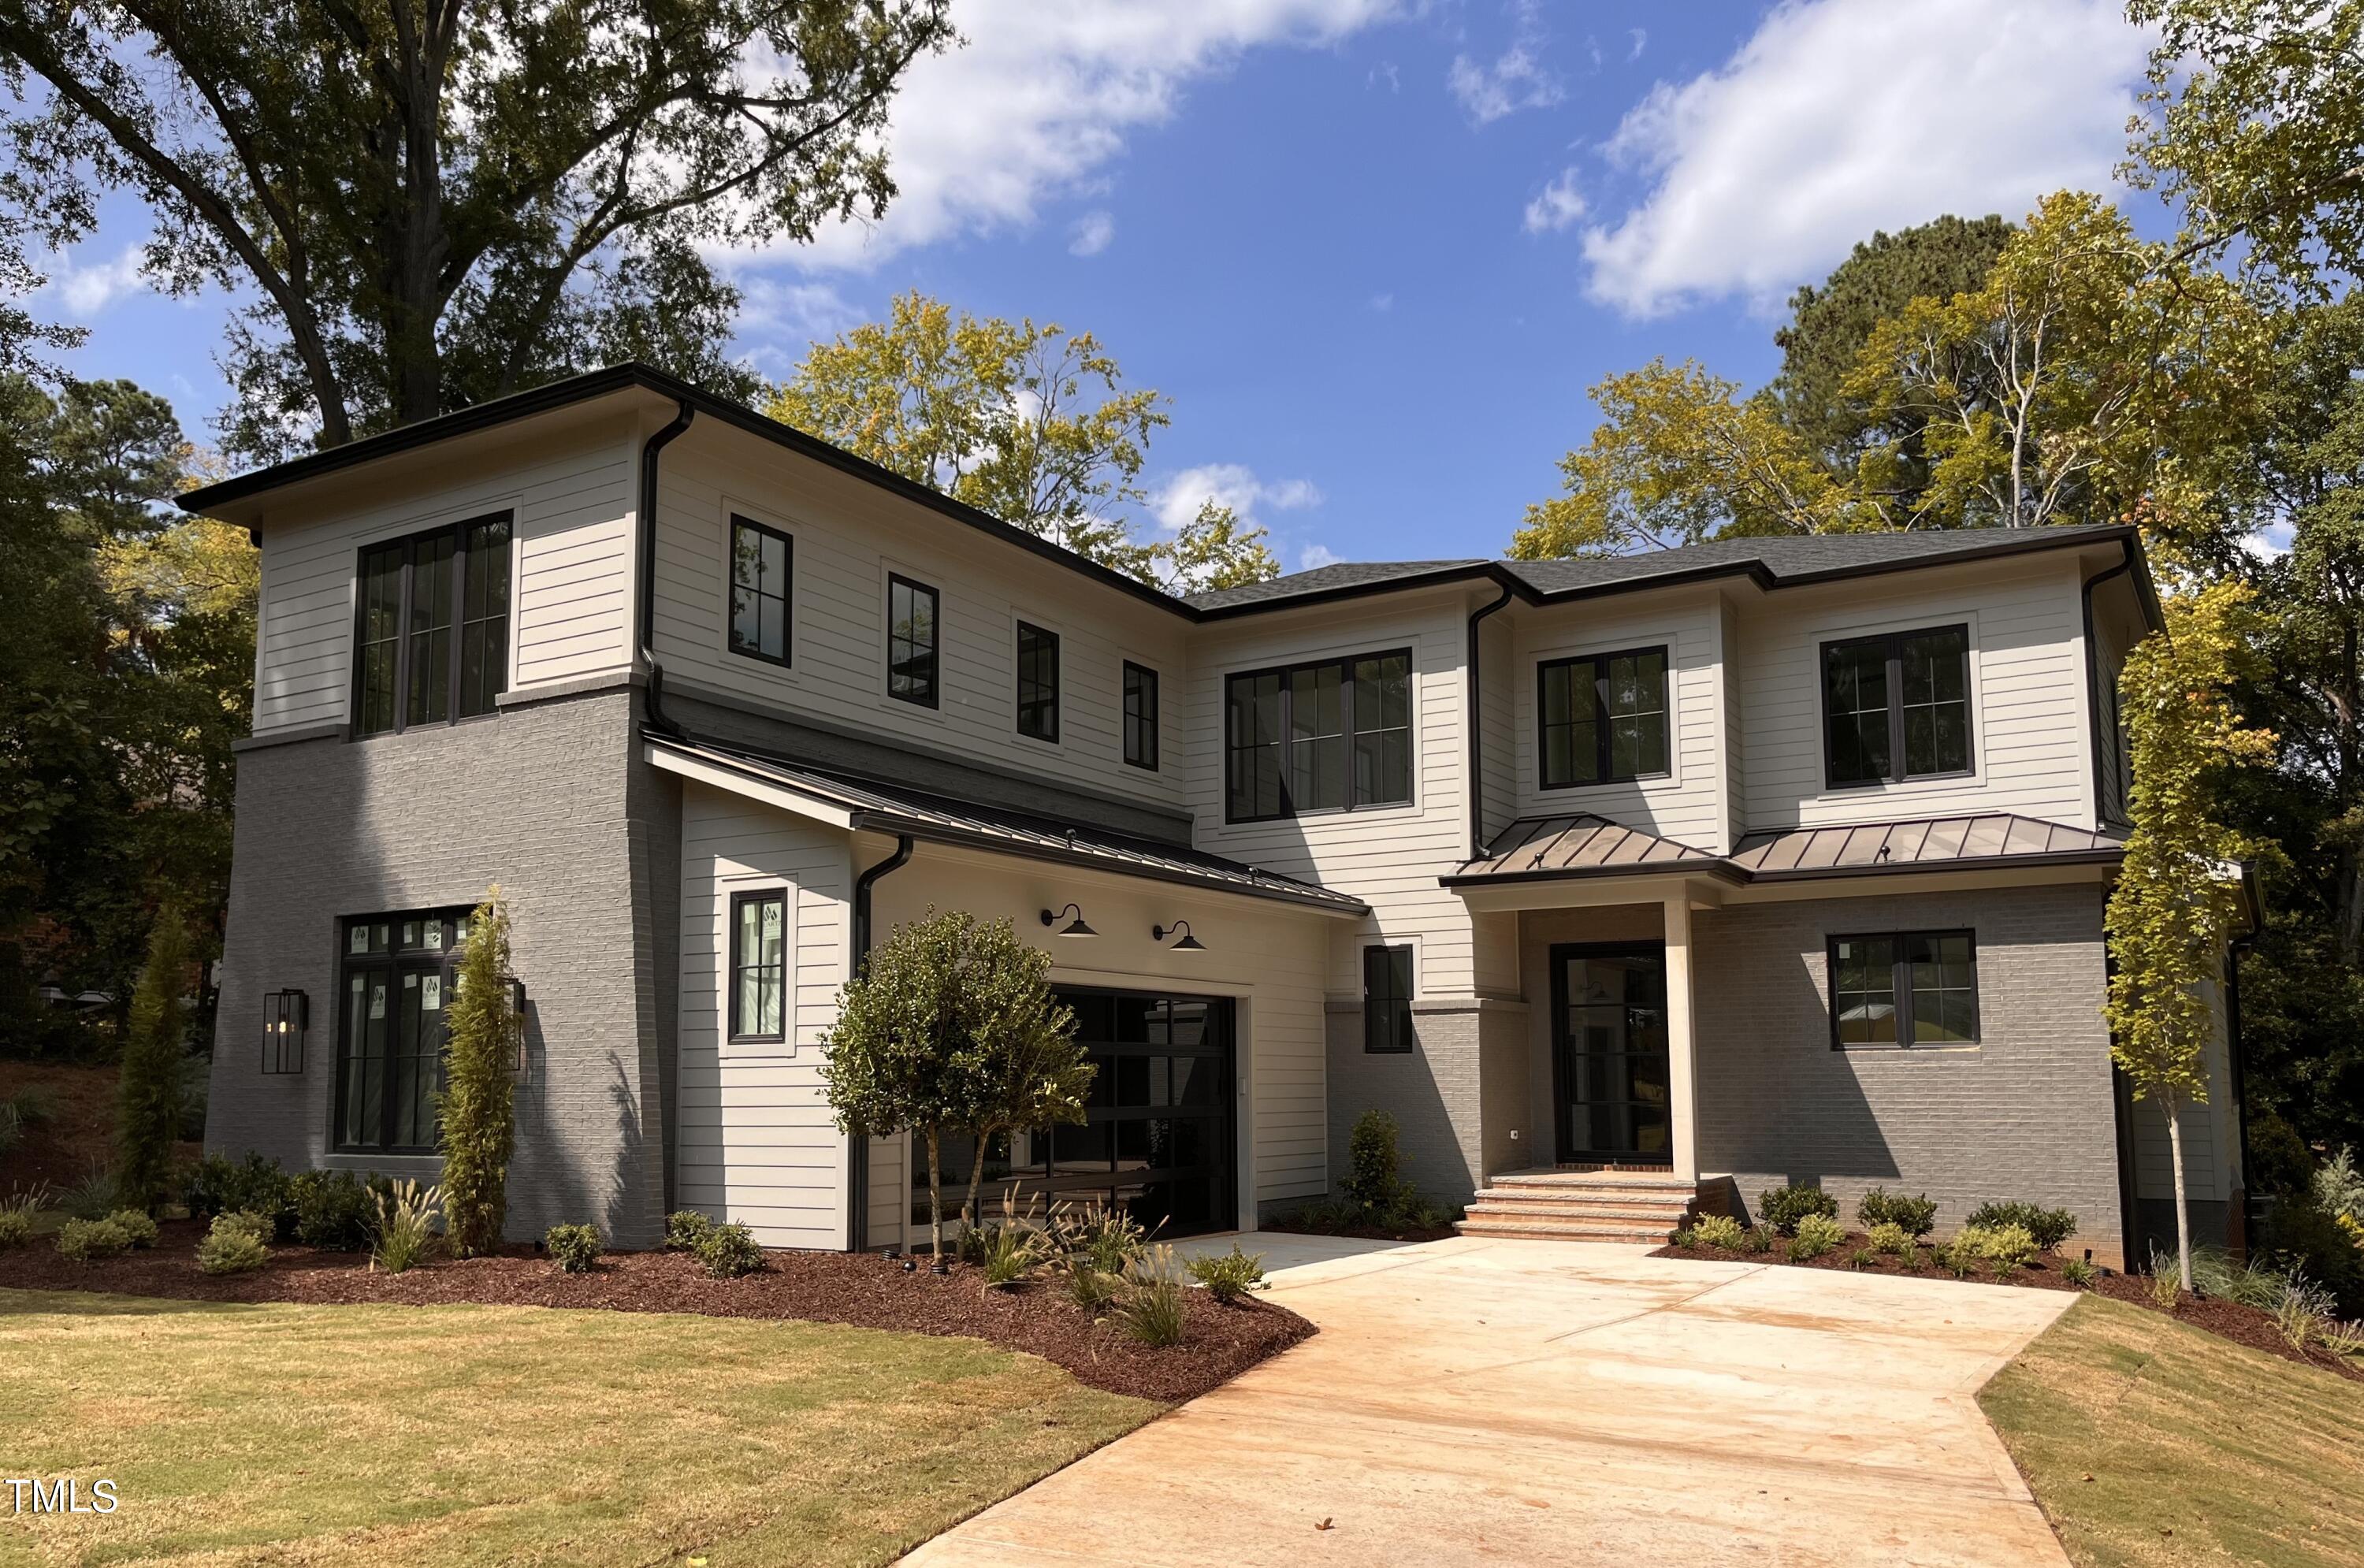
(147, 1094)
(950, 1027)
(478, 1101)
(2172, 911)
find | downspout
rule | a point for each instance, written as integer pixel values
(2092, 660)
(857, 1149)
(1477, 729)
(644, 621)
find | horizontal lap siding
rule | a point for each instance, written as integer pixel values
(757, 1141)
(1388, 857)
(847, 536)
(1684, 806)
(2031, 744)
(569, 580)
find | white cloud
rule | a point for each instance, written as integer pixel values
(1232, 485)
(87, 290)
(1641, 37)
(1842, 116)
(1314, 556)
(1559, 204)
(1382, 303)
(1091, 234)
(800, 310)
(1517, 80)
(1042, 97)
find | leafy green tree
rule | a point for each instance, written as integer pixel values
(431, 204)
(1029, 422)
(2174, 907)
(949, 1029)
(147, 1094)
(477, 1104)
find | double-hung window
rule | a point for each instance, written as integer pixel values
(1896, 707)
(1038, 683)
(396, 973)
(1333, 736)
(1603, 718)
(431, 635)
(759, 965)
(911, 620)
(1140, 716)
(1904, 988)
(762, 570)
(1386, 999)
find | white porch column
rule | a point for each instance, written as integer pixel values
(1681, 1057)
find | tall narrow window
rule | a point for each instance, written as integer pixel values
(1386, 999)
(763, 563)
(1140, 716)
(1602, 718)
(912, 611)
(1038, 683)
(1904, 988)
(1896, 707)
(758, 976)
(396, 971)
(1333, 736)
(431, 635)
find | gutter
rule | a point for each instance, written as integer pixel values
(857, 1148)
(645, 586)
(1473, 721)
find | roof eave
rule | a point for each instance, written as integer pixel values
(1740, 875)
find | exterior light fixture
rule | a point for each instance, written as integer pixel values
(1188, 942)
(1075, 928)
(284, 1014)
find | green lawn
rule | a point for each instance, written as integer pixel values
(2149, 1441)
(483, 1435)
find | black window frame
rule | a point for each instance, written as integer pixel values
(462, 702)
(1897, 771)
(1387, 1018)
(1899, 964)
(1040, 703)
(395, 961)
(933, 695)
(1603, 749)
(733, 967)
(787, 658)
(1139, 700)
(1285, 675)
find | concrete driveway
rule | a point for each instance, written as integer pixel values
(1567, 1403)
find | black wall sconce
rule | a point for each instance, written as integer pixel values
(284, 1016)
(1188, 942)
(1075, 928)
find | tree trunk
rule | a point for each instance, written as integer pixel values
(936, 1207)
(970, 1213)
(2182, 1205)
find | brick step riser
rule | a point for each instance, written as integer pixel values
(1589, 1195)
(1548, 1185)
(1514, 1232)
(1579, 1215)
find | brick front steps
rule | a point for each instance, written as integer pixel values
(1581, 1206)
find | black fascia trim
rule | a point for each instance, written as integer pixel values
(1721, 870)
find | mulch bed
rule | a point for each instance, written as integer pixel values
(2250, 1326)
(863, 1290)
(1290, 1225)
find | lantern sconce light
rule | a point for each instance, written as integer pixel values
(1075, 928)
(1188, 942)
(284, 1016)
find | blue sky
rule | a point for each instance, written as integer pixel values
(1376, 250)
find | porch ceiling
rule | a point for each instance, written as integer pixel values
(1541, 849)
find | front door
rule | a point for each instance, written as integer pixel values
(1609, 1048)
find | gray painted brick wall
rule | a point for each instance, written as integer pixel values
(549, 801)
(2025, 1114)
(1468, 1057)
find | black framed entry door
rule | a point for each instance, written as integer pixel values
(1158, 1139)
(1609, 1051)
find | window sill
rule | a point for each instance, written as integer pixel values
(1960, 1048)
(1873, 786)
(1665, 777)
(418, 1167)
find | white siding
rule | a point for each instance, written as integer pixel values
(756, 1141)
(1685, 804)
(2027, 718)
(569, 588)
(1389, 857)
(848, 536)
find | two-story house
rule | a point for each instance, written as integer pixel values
(1761, 859)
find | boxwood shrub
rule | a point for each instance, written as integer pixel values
(1782, 1208)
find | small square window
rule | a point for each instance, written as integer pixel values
(1386, 999)
(1904, 988)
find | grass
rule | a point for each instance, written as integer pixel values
(2149, 1441)
(466, 1435)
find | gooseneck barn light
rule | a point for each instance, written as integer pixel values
(1188, 942)
(1075, 928)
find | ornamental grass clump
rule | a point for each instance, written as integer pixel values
(405, 1226)
(16, 1213)
(575, 1248)
(729, 1251)
(1916, 1216)
(1231, 1276)
(2079, 1272)
(1153, 1309)
(1817, 1234)
(1782, 1208)
(234, 1244)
